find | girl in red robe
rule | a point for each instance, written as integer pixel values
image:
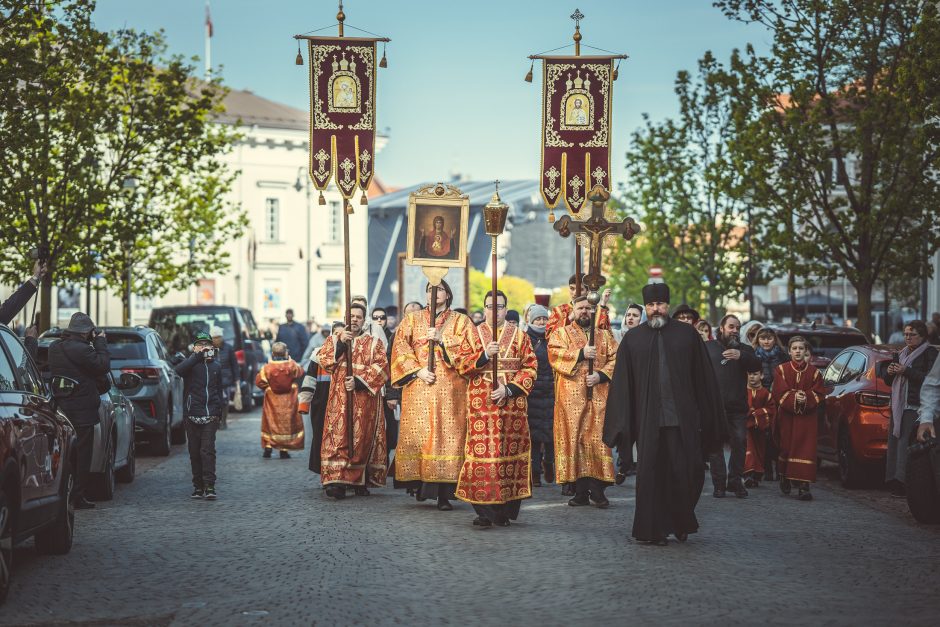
(760, 417)
(797, 391)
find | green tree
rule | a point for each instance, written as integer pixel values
(838, 136)
(519, 292)
(685, 183)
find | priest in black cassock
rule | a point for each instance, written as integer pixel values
(664, 398)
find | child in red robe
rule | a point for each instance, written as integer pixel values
(797, 391)
(760, 417)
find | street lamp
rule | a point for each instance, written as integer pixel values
(298, 186)
(129, 185)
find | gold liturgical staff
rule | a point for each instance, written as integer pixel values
(494, 221)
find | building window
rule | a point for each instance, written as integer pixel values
(336, 222)
(334, 299)
(272, 220)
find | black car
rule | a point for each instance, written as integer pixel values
(37, 467)
(179, 325)
(826, 341)
(140, 350)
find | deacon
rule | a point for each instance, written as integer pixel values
(433, 424)
(282, 426)
(495, 473)
(563, 314)
(665, 399)
(581, 458)
(364, 465)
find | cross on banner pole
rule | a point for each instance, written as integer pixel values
(596, 228)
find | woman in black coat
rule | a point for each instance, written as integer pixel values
(541, 400)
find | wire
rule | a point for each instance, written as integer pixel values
(319, 29)
(600, 49)
(552, 50)
(362, 30)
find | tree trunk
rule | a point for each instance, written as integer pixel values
(45, 303)
(863, 323)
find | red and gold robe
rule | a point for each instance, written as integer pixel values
(433, 426)
(579, 423)
(760, 418)
(282, 426)
(497, 454)
(559, 318)
(365, 465)
(796, 423)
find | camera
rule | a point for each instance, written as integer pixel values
(919, 448)
(210, 354)
(39, 253)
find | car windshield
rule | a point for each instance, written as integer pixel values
(826, 345)
(179, 328)
(126, 346)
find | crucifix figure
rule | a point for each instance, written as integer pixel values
(596, 229)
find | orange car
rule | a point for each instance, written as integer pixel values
(853, 424)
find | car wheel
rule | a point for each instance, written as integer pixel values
(56, 539)
(126, 474)
(160, 443)
(853, 473)
(102, 483)
(6, 545)
(920, 483)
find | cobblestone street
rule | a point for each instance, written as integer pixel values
(274, 550)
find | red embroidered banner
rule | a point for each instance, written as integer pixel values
(576, 128)
(342, 112)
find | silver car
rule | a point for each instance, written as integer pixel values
(114, 456)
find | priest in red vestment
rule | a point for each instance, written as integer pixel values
(364, 465)
(797, 391)
(495, 475)
(760, 416)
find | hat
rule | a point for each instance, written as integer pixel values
(655, 293)
(536, 311)
(512, 316)
(684, 308)
(80, 323)
(202, 336)
(216, 332)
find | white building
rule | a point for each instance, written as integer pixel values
(291, 254)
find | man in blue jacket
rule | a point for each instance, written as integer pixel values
(203, 401)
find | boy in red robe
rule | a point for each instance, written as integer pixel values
(562, 314)
(760, 417)
(797, 391)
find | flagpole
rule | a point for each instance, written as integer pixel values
(208, 33)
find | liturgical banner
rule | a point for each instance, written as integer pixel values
(576, 128)
(342, 112)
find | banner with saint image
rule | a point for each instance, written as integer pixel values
(576, 128)
(342, 112)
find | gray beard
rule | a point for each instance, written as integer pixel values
(657, 322)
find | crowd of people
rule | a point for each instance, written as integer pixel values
(457, 408)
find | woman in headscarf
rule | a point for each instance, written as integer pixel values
(905, 377)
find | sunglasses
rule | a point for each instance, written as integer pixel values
(380, 317)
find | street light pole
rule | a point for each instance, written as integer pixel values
(130, 185)
(298, 186)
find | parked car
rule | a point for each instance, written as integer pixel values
(179, 325)
(826, 341)
(854, 422)
(114, 458)
(159, 398)
(37, 467)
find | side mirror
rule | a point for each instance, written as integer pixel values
(268, 336)
(128, 381)
(63, 387)
(176, 359)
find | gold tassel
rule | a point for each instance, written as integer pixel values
(349, 207)
(616, 71)
(300, 57)
(528, 76)
(363, 200)
(551, 216)
(322, 200)
(384, 61)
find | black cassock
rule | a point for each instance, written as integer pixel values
(664, 398)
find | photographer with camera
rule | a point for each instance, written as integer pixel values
(203, 402)
(82, 354)
(27, 290)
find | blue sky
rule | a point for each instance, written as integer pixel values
(453, 96)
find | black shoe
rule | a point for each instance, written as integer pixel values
(719, 493)
(682, 537)
(444, 505)
(659, 542)
(361, 491)
(198, 493)
(601, 502)
(549, 469)
(621, 477)
(632, 470)
(337, 492)
(739, 490)
(285, 455)
(266, 454)
(482, 523)
(210, 493)
(84, 503)
(898, 490)
(803, 493)
(785, 485)
(536, 480)
(750, 482)
(567, 489)
(502, 522)
(579, 500)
